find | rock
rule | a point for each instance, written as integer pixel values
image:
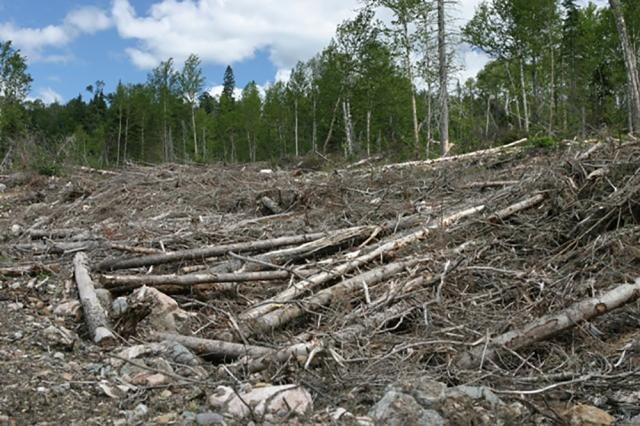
(60, 337)
(396, 408)
(209, 418)
(149, 379)
(71, 309)
(158, 310)
(165, 419)
(428, 393)
(3, 188)
(119, 307)
(271, 402)
(586, 415)
(140, 411)
(16, 230)
(15, 306)
(475, 393)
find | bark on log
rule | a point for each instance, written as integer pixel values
(490, 184)
(287, 313)
(204, 253)
(517, 207)
(54, 234)
(216, 348)
(550, 325)
(316, 280)
(94, 314)
(18, 271)
(481, 153)
(135, 281)
(270, 205)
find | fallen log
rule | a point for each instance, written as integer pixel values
(517, 208)
(550, 325)
(204, 253)
(481, 153)
(359, 260)
(94, 314)
(217, 348)
(75, 234)
(490, 184)
(18, 271)
(270, 205)
(135, 281)
(287, 313)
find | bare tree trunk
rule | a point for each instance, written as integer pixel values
(126, 136)
(523, 87)
(553, 93)
(630, 63)
(409, 73)
(368, 133)
(347, 128)
(486, 124)
(195, 134)
(314, 132)
(444, 81)
(333, 122)
(142, 138)
(119, 134)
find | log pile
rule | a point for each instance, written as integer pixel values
(503, 263)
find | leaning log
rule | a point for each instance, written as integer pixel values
(135, 281)
(382, 250)
(289, 312)
(475, 154)
(204, 253)
(94, 314)
(551, 325)
(517, 208)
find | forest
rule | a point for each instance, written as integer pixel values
(557, 70)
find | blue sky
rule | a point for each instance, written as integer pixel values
(71, 44)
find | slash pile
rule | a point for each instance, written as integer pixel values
(514, 269)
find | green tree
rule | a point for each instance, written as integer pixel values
(191, 83)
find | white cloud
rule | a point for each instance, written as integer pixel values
(48, 96)
(227, 32)
(33, 41)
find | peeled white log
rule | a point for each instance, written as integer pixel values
(314, 281)
(550, 325)
(94, 314)
(481, 153)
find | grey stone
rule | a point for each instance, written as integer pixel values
(140, 411)
(398, 409)
(475, 393)
(119, 307)
(429, 393)
(209, 418)
(3, 187)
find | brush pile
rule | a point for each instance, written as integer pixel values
(499, 286)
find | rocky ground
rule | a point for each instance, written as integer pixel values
(403, 328)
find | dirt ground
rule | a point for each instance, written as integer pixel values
(581, 240)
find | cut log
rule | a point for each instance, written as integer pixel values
(517, 208)
(74, 234)
(94, 314)
(135, 281)
(287, 313)
(490, 184)
(204, 253)
(217, 348)
(18, 271)
(475, 154)
(550, 325)
(270, 205)
(359, 260)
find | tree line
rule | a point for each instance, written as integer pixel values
(557, 69)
